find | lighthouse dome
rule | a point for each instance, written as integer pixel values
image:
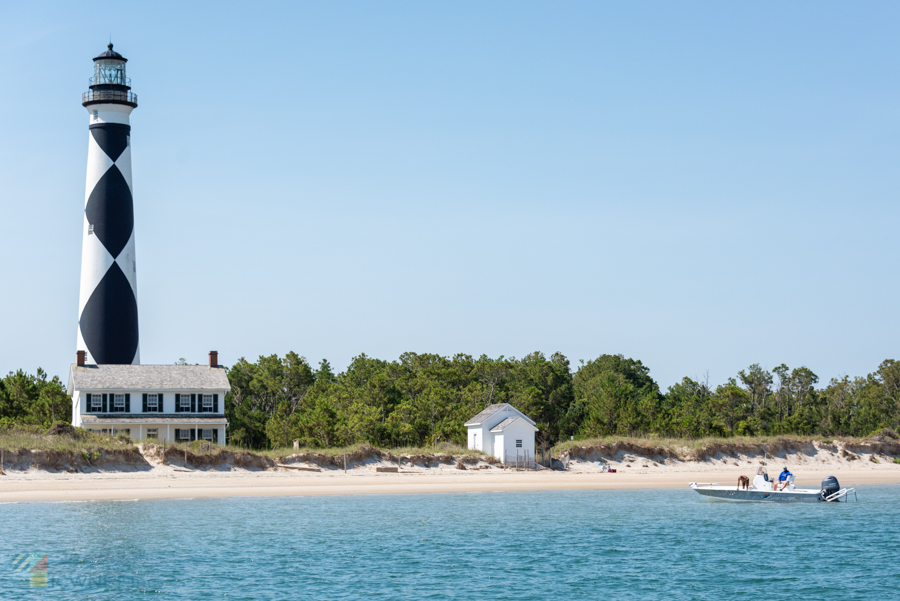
(110, 53)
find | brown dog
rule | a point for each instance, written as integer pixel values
(743, 481)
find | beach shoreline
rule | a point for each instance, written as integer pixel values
(173, 484)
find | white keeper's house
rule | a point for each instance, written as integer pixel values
(503, 431)
(177, 403)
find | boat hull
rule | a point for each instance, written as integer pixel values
(760, 496)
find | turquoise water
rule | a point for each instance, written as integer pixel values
(668, 544)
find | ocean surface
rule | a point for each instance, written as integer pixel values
(661, 544)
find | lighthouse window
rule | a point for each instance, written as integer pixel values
(109, 72)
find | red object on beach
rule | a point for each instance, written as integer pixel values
(612, 470)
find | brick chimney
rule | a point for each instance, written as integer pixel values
(213, 358)
(79, 358)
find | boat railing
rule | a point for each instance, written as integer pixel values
(834, 497)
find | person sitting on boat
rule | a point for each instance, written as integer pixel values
(783, 478)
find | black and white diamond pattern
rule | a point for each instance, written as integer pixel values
(107, 314)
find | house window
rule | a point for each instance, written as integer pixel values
(207, 402)
(152, 432)
(152, 402)
(184, 434)
(96, 402)
(207, 434)
(518, 444)
(118, 402)
(185, 402)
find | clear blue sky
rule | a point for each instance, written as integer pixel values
(701, 186)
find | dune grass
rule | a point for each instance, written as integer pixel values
(33, 439)
(444, 448)
(688, 446)
(84, 440)
(16, 439)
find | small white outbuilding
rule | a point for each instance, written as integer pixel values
(503, 431)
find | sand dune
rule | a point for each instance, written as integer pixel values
(159, 481)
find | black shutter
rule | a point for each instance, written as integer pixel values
(127, 403)
(193, 433)
(87, 400)
(145, 403)
(176, 434)
(216, 434)
(215, 403)
(193, 404)
(159, 402)
(177, 402)
(104, 402)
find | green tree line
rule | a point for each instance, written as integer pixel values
(424, 399)
(33, 400)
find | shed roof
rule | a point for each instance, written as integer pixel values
(147, 377)
(491, 410)
(510, 421)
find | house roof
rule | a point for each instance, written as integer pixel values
(491, 410)
(147, 377)
(510, 421)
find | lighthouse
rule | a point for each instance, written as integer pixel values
(107, 305)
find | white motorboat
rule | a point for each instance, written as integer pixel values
(764, 490)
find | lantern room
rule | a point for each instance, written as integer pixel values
(110, 85)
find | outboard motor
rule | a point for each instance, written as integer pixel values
(829, 487)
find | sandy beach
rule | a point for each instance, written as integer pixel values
(172, 482)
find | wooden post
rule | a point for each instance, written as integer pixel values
(345, 463)
(185, 456)
(2, 458)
